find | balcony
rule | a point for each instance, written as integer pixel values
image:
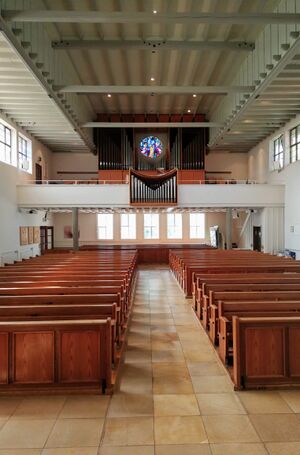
(91, 194)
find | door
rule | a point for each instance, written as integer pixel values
(47, 238)
(38, 173)
(257, 238)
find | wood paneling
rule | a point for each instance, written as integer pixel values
(3, 358)
(80, 356)
(294, 358)
(262, 344)
(34, 357)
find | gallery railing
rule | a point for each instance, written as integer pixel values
(153, 189)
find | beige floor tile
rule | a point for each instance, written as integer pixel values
(163, 329)
(219, 403)
(163, 337)
(25, 434)
(212, 384)
(198, 355)
(20, 452)
(276, 427)
(238, 449)
(2, 422)
(140, 353)
(130, 405)
(283, 448)
(170, 345)
(232, 428)
(175, 405)
(171, 378)
(89, 406)
(179, 430)
(187, 449)
(8, 406)
(168, 356)
(76, 433)
(129, 431)
(71, 451)
(44, 407)
(125, 450)
(182, 309)
(136, 378)
(205, 369)
(263, 402)
(292, 398)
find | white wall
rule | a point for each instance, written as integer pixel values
(259, 165)
(88, 229)
(236, 163)
(10, 217)
(74, 166)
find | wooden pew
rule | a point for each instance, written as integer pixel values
(214, 297)
(50, 356)
(266, 352)
(63, 312)
(227, 310)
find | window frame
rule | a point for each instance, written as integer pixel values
(27, 155)
(197, 227)
(174, 226)
(278, 155)
(296, 145)
(128, 226)
(6, 145)
(152, 226)
(105, 226)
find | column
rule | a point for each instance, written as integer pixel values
(75, 228)
(229, 229)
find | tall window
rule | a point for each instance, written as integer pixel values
(5, 144)
(128, 226)
(24, 154)
(197, 225)
(151, 226)
(105, 226)
(278, 151)
(295, 144)
(174, 226)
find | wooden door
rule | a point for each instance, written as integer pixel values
(38, 173)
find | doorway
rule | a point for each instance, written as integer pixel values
(38, 174)
(47, 238)
(257, 238)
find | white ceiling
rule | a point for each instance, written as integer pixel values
(169, 67)
(29, 104)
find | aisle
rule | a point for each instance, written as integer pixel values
(174, 397)
(174, 392)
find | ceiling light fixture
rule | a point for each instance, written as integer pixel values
(108, 95)
(154, 11)
(152, 79)
(189, 111)
(194, 95)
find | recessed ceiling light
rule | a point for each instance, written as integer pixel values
(108, 95)
(194, 95)
(152, 79)
(154, 11)
(189, 111)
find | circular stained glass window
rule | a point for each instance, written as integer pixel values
(151, 147)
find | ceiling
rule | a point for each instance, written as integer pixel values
(125, 56)
(169, 67)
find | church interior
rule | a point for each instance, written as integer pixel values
(149, 227)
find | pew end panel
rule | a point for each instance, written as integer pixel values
(56, 356)
(266, 352)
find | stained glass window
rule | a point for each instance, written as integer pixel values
(151, 147)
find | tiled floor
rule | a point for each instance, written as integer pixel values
(174, 397)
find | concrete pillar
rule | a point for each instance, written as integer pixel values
(75, 229)
(229, 229)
